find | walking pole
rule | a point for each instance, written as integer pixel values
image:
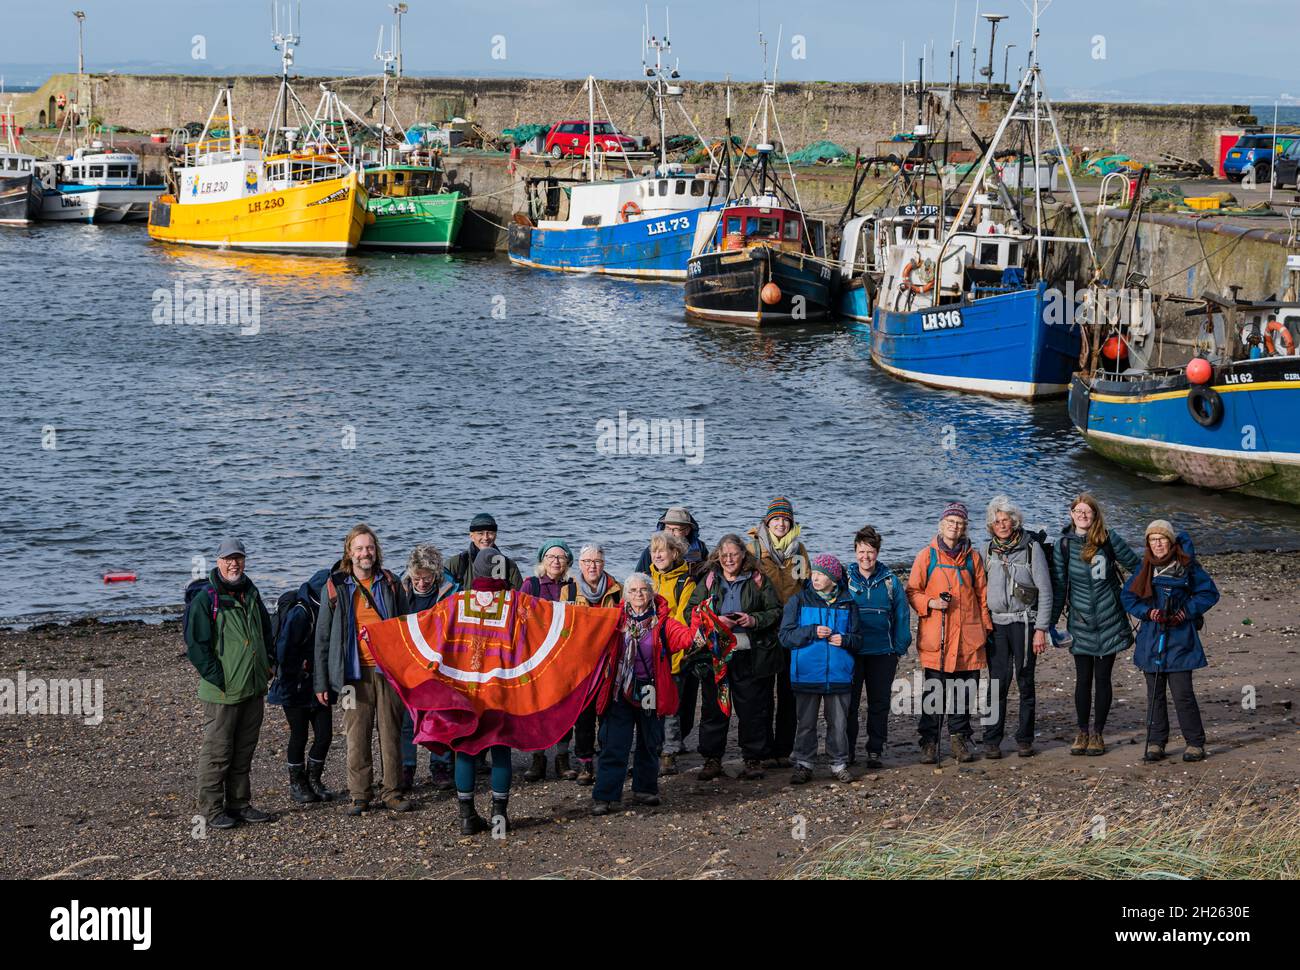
(943, 645)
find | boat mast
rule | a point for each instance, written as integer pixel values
(389, 59)
(591, 127)
(659, 84)
(284, 40)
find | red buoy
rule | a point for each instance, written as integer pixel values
(770, 294)
(1199, 370)
(119, 577)
(1114, 348)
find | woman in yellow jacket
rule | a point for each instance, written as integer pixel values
(946, 589)
(672, 579)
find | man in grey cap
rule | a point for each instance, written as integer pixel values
(482, 535)
(228, 639)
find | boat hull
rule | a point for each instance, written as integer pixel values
(727, 286)
(425, 223)
(643, 249)
(1147, 426)
(324, 217)
(126, 203)
(21, 199)
(999, 345)
(855, 301)
(69, 204)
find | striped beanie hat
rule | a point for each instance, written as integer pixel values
(830, 567)
(779, 506)
(957, 509)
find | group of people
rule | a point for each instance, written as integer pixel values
(815, 641)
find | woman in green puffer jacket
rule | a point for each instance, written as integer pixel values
(1086, 580)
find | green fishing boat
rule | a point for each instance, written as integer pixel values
(410, 209)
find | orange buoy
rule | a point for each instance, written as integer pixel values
(770, 294)
(1199, 370)
(119, 577)
(1114, 348)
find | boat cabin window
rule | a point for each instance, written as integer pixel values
(767, 227)
(733, 225)
(650, 189)
(120, 171)
(792, 230)
(1013, 254)
(681, 186)
(663, 186)
(97, 171)
(988, 253)
(697, 187)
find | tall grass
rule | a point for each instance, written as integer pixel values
(1228, 842)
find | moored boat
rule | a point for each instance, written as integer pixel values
(97, 184)
(20, 189)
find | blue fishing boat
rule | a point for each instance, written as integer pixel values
(1226, 420)
(641, 225)
(976, 300)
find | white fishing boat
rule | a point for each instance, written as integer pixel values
(20, 194)
(96, 184)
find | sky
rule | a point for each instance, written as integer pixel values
(1086, 44)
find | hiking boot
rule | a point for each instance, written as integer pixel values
(961, 751)
(314, 770)
(299, 790)
(398, 804)
(223, 821)
(800, 775)
(585, 775)
(600, 808)
(667, 764)
(358, 806)
(1025, 749)
(1080, 745)
(992, 751)
(471, 822)
(771, 763)
(645, 798)
(250, 814)
(1194, 753)
(537, 770)
(929, 753)
(712, 769)
(408, 779)
(440, 776)
(1096, 746)
(842, 774)
(753, 770)
(501, 810)
(1154, 752)
(873, 761)
(562, 769)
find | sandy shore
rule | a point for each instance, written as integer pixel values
(117, 799)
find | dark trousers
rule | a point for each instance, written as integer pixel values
(230, 733)
(1011, 650)
(688, 692)
(939, 687)
(584, 734)
(874, 672)
(1189, 713)
(321, 720)
(787, 718)
(1092, 674)
(617, 727)
(751, 699)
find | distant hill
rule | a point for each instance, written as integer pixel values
(1192, 87)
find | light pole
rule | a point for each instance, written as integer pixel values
(1006, 59)
(994, 19)
(81, 59)
(398, 9)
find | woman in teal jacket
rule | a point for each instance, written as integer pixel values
(885, 622)
(1086, 581)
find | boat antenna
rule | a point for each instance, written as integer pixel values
(659, 80)
(389, 59)
(285, 36)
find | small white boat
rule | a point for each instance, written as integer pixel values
(96, 185)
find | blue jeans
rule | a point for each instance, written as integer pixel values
(409, 746)
(616, 728)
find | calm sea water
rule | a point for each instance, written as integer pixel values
(167, 437)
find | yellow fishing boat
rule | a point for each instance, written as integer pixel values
(233, 192)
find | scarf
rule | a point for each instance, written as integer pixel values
(1151, 566)
(721, 647)
(778, 549)
(635, 627)
(596, 594)
(1008, 545)
(956, 551)
(828, 595)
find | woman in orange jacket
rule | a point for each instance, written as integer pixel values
(946, 589)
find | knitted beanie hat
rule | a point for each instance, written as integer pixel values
(1161, 527)
(830, 567)
(550, 544)
(482, 521)
(779, 506)
(957, 509)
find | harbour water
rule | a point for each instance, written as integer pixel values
(412, 392)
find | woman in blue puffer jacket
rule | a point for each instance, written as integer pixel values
(1170, 594)
(820, 629)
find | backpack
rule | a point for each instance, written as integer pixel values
(969, 566)
(196, 587)
(287, 601)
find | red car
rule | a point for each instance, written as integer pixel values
(572, 138)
